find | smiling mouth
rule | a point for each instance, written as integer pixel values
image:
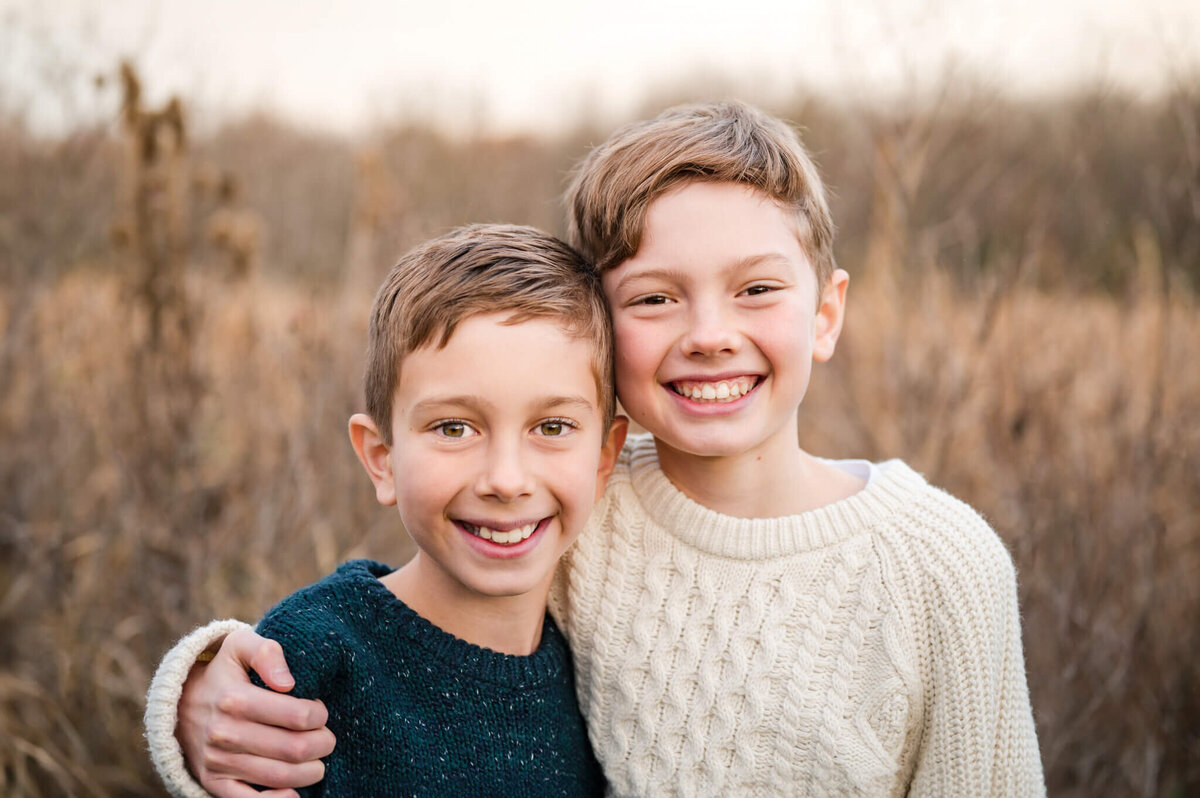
(715, 392)
(503, 537)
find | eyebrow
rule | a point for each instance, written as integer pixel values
(756, 260)
(676, 274)
(479, 403)
(568, 401)
(651, 274)
(463, 400)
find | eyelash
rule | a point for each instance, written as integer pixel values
(654, 300)
(441, 426)
(566, 423)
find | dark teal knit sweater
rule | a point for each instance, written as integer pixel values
(417, 711)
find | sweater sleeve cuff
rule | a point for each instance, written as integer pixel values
(162, 706)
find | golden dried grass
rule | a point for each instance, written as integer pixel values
(136, 502)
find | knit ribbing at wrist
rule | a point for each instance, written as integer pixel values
(162, 706)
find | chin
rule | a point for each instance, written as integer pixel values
(494, 586)
(712, 440)
(707, 448)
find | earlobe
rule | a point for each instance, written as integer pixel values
(610, 451)
(830, 315)
(375, 456)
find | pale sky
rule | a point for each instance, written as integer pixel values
(528, 65)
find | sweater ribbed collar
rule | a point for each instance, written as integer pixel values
(395, 618)
(763, 538)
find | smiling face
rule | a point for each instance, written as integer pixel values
(717, 319)
(498, 454)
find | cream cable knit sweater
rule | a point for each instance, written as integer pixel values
(868, 648)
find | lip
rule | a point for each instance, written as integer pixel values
(718, 377)
(497, 551)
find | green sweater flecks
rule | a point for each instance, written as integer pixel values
(417, 711)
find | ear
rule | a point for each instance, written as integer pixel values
(610, 451)
(830, 314)
(375, 455)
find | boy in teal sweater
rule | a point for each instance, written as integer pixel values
(490, 425)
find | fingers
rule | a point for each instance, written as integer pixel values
(234, 733)
(256, 770)
(233, 736)
(251, 650)
(228, 788)
(250, 703)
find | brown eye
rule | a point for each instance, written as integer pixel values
(453, 429)
(552, 428)
(555, 427)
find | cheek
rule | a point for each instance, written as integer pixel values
(624, 375)
(575, 483)
(423, 482)
(786, 344)
(637, 355)
(781, 337)
(790, 357)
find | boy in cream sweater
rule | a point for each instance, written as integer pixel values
(745, 618)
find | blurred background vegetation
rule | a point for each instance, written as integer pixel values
(183, 316)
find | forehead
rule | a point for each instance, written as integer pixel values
(695, 200)
(723, 224)
(491, 354)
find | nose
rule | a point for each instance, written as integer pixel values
(711, 330)
(505, 475)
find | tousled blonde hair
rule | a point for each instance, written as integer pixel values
(728, 141)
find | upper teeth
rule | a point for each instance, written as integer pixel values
(723, 391)
(514, 535)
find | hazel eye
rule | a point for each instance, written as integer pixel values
(554, 427)
(454, 429)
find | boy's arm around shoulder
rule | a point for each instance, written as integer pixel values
(270, 717)
(979, 735)
(162, 705)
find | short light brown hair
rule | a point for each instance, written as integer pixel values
(476, 270)
(717, 142)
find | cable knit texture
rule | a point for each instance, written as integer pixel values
(868, 648)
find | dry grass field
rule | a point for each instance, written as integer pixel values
(182, 322)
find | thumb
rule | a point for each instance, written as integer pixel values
(250, 650)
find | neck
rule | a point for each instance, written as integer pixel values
(506, 624)
(774, 480)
